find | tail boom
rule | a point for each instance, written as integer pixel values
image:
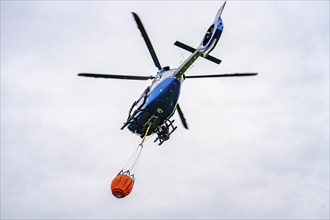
(187, 63)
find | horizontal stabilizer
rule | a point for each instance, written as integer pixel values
(184, 46)
(191, 49)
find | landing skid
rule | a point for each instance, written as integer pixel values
(132, 116)
(164, 132)
(142, 101)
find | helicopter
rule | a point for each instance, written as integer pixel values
(152, 112)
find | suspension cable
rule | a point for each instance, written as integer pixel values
(145, 135)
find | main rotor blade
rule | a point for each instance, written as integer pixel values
(222, 75)
(147, 40)
(110, 76)
(183, 120)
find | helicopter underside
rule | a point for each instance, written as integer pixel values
(157, 110)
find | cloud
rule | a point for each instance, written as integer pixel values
(257, 147)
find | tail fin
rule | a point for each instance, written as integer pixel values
(213, 34)
(221, 9)
(208, 43)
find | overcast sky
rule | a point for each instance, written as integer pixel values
(257, 148)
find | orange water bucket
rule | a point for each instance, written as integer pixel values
(121, 185)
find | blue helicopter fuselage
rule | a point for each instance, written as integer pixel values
(159, 103)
